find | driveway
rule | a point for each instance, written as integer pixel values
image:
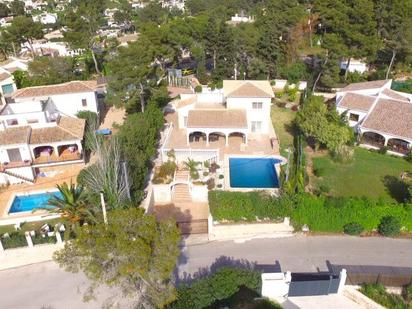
(45, 285)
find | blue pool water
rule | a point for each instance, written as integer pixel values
(253, 173)
(32, 201)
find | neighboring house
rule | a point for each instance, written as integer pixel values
(52, 49)
(7, 85)
(173, 4)
(13, 64)
(6, 21)
(38, 128)
(232, 120)
(382, 117)
(68, 98)
(46, 18)
(237, 19)
(355, 65)
(36, 141)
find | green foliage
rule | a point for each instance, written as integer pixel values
(138, 137)
(294, 72)
(15, 240)
(324, 125)
(165, 172)
(378, 293)
(23, 30)
(322, 214)
(39, 239)
(210, 183)
(383, 150)
(92, 123)
(390, 226)
(221, 285)
(352, 228)
(50, 70)
(408, 157)
(198, 89)
(343, 154)
(133, 252)
(239, 206)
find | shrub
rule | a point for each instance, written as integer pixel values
(205, 173)
(383, 150)
(167, 169)
(343, 154)
(210, 184)
(378, 293)
(219, 186)
(323, 188)
(221, 285)
(353, 228)
(194, 175)
(206, 164)
(15, 240)
(221, 176)
(198, 88)
(213, 167)
(39, 239)
(408, 157)
(389, 226)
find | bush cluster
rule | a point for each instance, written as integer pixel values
(15, 240)
(378, 293)
(320, 213)
(221, 285)
(239, 206)
(353, 228)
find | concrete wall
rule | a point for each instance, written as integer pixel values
(199, 193)
(252, 114)
(162, 194)
(26, 172)
(248, 230)
(24, 152)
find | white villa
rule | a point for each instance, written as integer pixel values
(231, 120)
(38, 128)
(381, 116)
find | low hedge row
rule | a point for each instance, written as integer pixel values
(15, 240)
(221, 285)
(239, 206)
(322, 214)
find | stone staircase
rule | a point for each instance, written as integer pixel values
(181, 193)
(26, 179)
(182, 176)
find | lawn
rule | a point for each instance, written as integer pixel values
(369, 174)
(282, 122)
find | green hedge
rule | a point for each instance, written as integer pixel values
(16, 240)
(331, 214)
(378, 293)
(221, 285)
(39, 239)
(239, 206)
(321, 214)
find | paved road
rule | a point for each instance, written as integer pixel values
(46, 286)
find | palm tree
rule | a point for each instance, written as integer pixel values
(71, 206)
(192, 167)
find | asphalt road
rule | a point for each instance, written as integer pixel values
(45, 286)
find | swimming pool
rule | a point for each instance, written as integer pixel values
(31, 201)
(259, 173)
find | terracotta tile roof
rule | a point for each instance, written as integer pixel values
(42, 91)
(357, 102)
(175, 91)
(231, 118)
(73, 125)
(67, 129)
(391, 117)
(186, 102)
(18, 135)
(366, 85)
(394, 95)
(4, 76)
(247, 88)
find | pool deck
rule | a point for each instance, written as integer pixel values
(65, 174)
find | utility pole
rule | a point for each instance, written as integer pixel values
(103, 208)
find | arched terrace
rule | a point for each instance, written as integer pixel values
(373, 139)
(197, 137)
(399, 145)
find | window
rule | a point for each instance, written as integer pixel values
(14, 155)
(7, 88)
(257, 105)
(12, 122)
(32, 121)
(256, 126)
(353, 117)
(84, 102)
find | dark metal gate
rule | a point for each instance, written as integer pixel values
(306, 284)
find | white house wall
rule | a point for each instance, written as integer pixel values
(24, 152)
(262, 115)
